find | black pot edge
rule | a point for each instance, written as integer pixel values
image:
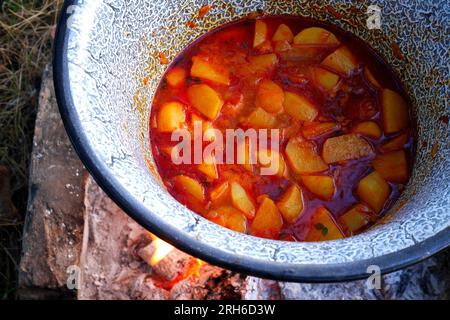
(271, 270)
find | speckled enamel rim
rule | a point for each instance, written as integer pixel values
(269, 269)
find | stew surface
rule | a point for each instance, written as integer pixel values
(344, 129)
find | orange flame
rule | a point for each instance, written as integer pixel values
(162, 249)
(194, 270)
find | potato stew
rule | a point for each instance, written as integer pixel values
(344, 128)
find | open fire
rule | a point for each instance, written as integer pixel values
(185, 266)
(162, 249)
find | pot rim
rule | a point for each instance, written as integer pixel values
(144, 216)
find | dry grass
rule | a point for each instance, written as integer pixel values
(26, 28)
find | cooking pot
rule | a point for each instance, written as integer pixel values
(107, 67)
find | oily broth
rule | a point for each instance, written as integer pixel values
(356, 101)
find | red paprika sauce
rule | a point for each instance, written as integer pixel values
(345, 128)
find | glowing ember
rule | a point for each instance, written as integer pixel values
(162, 249)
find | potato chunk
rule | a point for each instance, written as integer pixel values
(341, 61)
(374, 191)
(315, 35)
(355, 219)
(269, 96)
(368, 128)
(272, 162)
(283, 33)
(170, 117)
(323, 227)
(261, 31)
(394, 111)
(396, 143)
(241, 200)
(208, 167)
(262, 63)
(322, 186)
(268, 221)
(228, 217)
(392, 166)
(259, 118)
(303, 158)
(176, 77)
(299, 107)
(345, 147)
(190, 186)
(220, 195)
(316, 129)
(204, 69)
(205, 99)
(325, 79)
(291, 204)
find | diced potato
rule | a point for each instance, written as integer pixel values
(323, 227)
(281, 46)
(261, 31)
(262, 63)
(209, 168)
(204, 69)
(355, 219)
(341, 61)
(176, 77)
(368, 128)
(303, 158)
(315, 35)
(316, 129)
(396, 143)
(205, 99)
(190, 186)
(220, 195)
(371, 78)
(322, 186)
(299, 107)
(392, 166)
(269, 96)
(228, 217)
(291, 204)
(394, 110)
(259, 118)
(241, 200)
(236, 221)
(302, 54)
(374, 191)
(283, 33)
(272, 162)
(171, 117)
(345, 147)
(268, 221)
(325, 79)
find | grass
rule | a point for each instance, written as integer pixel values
(26, 29)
